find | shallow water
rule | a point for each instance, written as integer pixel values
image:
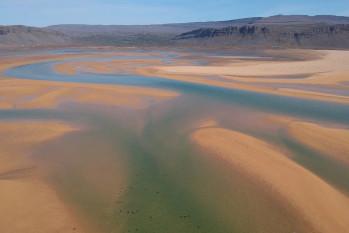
(266, 102)
(137, 171)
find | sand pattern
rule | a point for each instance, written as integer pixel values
(25, 94)
(38, 206)
(331, 141)
(319, 203)
(327, 69)
(27, 203)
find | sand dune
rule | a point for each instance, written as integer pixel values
(319, 203)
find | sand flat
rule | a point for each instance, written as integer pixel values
(31, 94)
(33, 207)
(103, 67)
(331, 141)
(319, 203)
(328, 68)
(333, 61)
(29, 205)
(18, 93)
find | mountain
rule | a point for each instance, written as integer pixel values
(288, 36)
(136, 34)
(303, 19)
(23, 36)
(301, 31)
(297, 31)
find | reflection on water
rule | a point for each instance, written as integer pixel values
(137, 171)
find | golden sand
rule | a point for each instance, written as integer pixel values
(28, 205)
(328, 68)
(104, 67)
(330, 140)
(25, 198)
(333, 61)
(333, 142)
(17, 93)
(319, 203)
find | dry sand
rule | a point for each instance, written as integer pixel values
(24, 94)
(333, 142)
(333, 61)
(328, 69)
(104, 67)
(28, 205)
(17, 93)
(330, 140)
(324, 207)
(321, 205)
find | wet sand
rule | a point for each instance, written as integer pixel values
(331, 141)
(17, 93)
(26, 94)
(321, 205)
(104, 67)
(327, 68)
(150, 159)
(319, 73)
(28, 204)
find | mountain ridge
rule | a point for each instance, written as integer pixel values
(281, 31)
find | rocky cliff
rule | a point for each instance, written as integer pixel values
(300, 31)
(320, 35)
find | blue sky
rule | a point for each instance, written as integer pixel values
(48, 12)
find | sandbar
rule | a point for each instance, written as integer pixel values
(324, 207)
(28, 204)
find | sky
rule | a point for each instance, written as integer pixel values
(51, 12)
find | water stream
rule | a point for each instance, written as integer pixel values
(137, 170)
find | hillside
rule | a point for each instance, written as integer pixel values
(294, 36)
(161, 34)
(295, 31)
(22, 36)
(301, 31)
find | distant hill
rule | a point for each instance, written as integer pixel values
(81, 30)
(136, 34)
(298, 31)
(303, 19)
(322, 31)
(22, 36)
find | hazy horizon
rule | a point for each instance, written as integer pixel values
(141, 12)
